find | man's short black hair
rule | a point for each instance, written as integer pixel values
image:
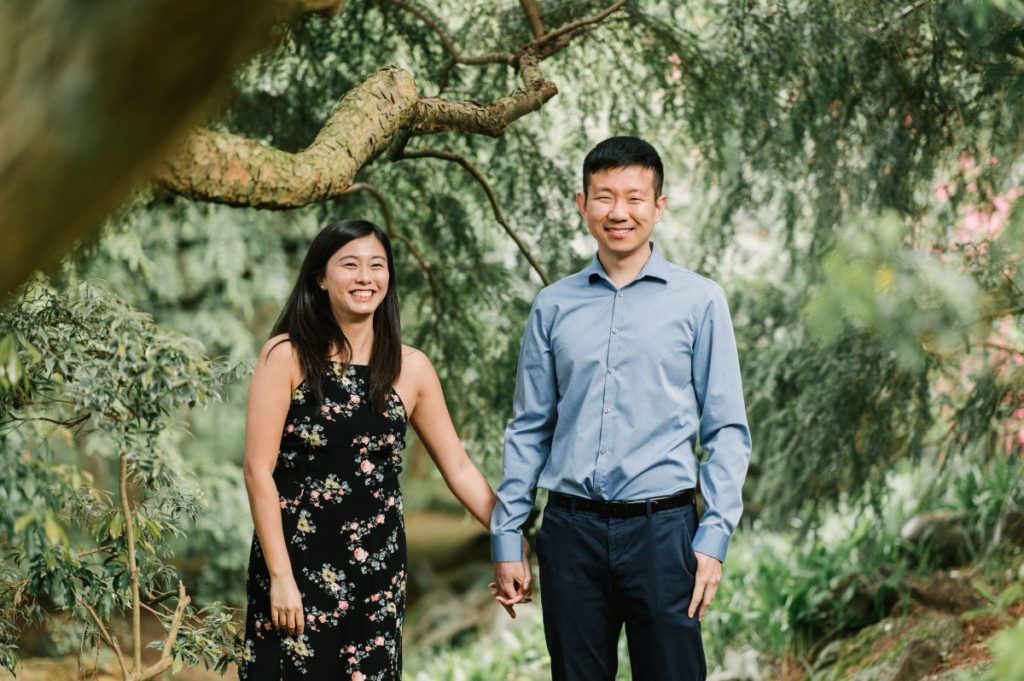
(619, 152)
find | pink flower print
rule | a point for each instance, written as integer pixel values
(354, 399)
(354, 526)
(343, 605)
(358, 676)
(362, 450)
(360, 554)
(391, 501)
(373, 618)
(388, 594)
(323, 619)
(327, 496)
(314, 494)
(391, 439)
(366, 440)
(352, 649)
(379, 518)
(324, 408)
(337, 409)
(385, 414)
(366, 466)
(289, 429)
(309, 618)
(284, 503)
(379, 641)
(353, 537)
(375, 597)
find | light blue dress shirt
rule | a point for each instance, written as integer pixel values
(614, 387)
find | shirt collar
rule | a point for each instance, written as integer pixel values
(656, 267)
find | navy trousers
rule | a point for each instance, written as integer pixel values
(598, 573)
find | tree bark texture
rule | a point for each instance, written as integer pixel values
(95, 93)
(235, 170)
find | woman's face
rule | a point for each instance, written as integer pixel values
(356, 278)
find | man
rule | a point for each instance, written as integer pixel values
(624, 366)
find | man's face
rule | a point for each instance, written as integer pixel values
(620, 208)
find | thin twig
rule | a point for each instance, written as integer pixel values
(498, 214)
(449, 44)
(533, 18)
(550, 43)
(133, 568)
(166, 656)
(110, 641)
(903, 14)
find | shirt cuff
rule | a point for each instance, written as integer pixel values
(507, 547)
(711, 541)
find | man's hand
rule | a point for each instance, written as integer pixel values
(709, 574)
(513, 582)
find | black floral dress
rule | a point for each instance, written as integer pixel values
(341, 508)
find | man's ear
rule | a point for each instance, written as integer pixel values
(659, 206)
(581, 203)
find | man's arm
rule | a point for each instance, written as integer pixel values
(527, 447)
(723, 427)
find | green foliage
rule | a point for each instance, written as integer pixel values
(1008, 645)
(99, 381)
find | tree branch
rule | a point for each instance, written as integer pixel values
(552, 42)
(229, 169)
(449, 44)
(498, 214)
(105, 635)
(133, 568)
(533, 18)
(166, 654)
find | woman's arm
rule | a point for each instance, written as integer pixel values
(433, 424)
(269, 396)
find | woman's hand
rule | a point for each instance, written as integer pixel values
(286, 606)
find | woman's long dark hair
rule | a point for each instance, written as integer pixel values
(308, 320)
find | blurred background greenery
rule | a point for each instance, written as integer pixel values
(849, 171)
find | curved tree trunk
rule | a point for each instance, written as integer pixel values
(93, 95)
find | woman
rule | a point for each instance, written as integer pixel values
(328, 405)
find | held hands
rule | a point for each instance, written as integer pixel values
(286, 606)
(513, 582)
(709, 574)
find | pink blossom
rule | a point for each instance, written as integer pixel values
(325, 408)
(290, 428)
(366, 465)
(323, 618)
(366, 440)
(283, 503)
(379, 518)
(357, 676)
(379, 641)
(391, 501)
(309, 618)
(966, 161)
(354, 526)
(354, 399)
(343, 606)
(327, 496)
(352, 649)
(353, 537)
(944, 190)
(360, 554)
(314, 494)
(375, 597)
(337, 409)
(391, 439)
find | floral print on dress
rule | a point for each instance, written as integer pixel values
(341, 511)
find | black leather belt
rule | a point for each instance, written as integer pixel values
(621, 509)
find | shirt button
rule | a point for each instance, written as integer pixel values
(614, 331)
(603, 450)
(611, 370)
(607, 410)
(619, 294)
